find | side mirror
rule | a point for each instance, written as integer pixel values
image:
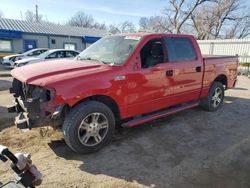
(137, 63)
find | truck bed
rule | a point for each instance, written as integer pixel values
(213, 64)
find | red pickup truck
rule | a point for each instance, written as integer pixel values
(121, 80)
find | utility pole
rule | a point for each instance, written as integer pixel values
(36, 13)
(21, 14)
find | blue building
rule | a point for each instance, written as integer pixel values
(17, 36)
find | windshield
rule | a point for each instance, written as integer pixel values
(26, 53)
(44, 54)
(111, 49)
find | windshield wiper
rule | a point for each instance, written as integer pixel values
(92, 59)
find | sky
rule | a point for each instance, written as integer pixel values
(104, 11)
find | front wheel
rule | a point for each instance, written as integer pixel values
(88, 127)
(215, 97)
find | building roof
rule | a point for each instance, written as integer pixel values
(48, 28)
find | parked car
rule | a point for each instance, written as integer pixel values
(8, 61)
(121, 80)
(48, 56)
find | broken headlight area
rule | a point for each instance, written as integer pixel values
(31, 92)
(31, 103)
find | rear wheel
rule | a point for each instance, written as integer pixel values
(88, 127)
(215, 97)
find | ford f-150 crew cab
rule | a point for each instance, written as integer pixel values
(121, 80)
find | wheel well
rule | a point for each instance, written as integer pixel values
(222, 79)
(107, 101)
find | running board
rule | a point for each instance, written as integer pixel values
(160, 114)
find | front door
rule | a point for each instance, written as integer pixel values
(147, 86)
(29, 45)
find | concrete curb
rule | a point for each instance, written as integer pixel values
(4, 72)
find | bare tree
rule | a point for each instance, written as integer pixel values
(123, 27)
(127, 27)
(207, 19)
(179, 11)
(203, 23)
(239, 29)
(80, 19)
(101, 26)
(113, 28)
(154, 23)
(31, 17)
(225, 12)
(222, 19)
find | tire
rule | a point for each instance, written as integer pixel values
(215, 97)
(88, 127)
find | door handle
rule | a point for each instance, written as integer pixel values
(198, 69)
(169, 73)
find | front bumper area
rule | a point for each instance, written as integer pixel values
(34, 106)
(7, 65)
(22, 121)
(28, 119)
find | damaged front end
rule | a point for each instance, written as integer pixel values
(34, 105)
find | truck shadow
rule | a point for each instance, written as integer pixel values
(6, 119)
(193, 148)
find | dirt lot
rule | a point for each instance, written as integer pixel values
(194, 148)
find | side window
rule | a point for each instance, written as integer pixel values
(180, 49)
(75, 54)
(30, 54)
(70, 54)
(61, 54)
(38, 52)
(35, 53)
(152, 53)
(54, 55)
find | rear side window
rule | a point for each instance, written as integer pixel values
(180, 49)
(59, 54)
(71, 53)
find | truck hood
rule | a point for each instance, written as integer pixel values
(53, 71)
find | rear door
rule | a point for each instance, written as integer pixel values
(186, 68)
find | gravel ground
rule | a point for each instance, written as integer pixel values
(191, 149)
